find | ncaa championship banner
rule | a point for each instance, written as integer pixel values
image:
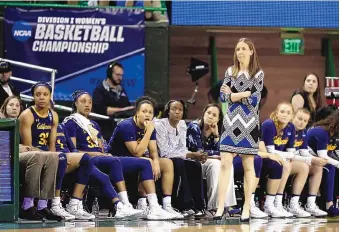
(79, 43)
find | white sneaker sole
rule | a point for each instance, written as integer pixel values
(68, 218)
(302, 216)
(258, 217)
(157, 219)
(276, 216)
(85, 218)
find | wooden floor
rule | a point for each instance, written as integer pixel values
(230, 225)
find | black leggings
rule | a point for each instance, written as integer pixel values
(188, 190)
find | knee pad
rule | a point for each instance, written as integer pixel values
(87, 161)
(85, 169)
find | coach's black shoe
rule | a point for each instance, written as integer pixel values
(31, 214)
(244, 220)
(219, 217)
(333, 211)
(48, 215)
(112, 211)
(200, 214)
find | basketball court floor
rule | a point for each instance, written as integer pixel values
(228, 225)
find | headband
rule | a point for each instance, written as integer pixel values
(41, 84)
(79, 94)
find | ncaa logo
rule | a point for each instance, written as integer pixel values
(21, 31)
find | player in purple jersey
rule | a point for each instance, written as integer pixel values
(82, 165)
(136, 137)
(65, 144)
(38, 128)
(278, 134)
(86, 136)
(321, 140)
(300, 121)
(34, 165)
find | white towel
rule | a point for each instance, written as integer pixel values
(86, 125)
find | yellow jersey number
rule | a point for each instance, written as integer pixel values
(60, 144)
(90, 142)
(43, 138)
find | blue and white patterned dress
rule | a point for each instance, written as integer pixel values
(241, 122)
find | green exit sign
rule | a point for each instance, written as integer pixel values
(292, 46)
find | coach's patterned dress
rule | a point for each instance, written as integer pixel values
(241, 121)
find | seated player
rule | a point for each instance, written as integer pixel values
(278, 134)
(38, 128)
(86, 137)
(34, 165)
(321, 139)
(135, 137)
(300, 121)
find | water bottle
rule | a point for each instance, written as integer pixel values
(95, 207)
(285, 200)
(257, 203)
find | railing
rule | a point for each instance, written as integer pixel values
(332, 87)
(28, 98)
(53, 71)
(36, 67)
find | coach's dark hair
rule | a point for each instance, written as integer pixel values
(220, 117)
(165, 113)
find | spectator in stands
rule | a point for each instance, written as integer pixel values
(86, 137)
(322, 139)
(204, 135)
(136, 137)
(110, 98)
(5, 75)
(11, 108)
(171, 131)
(309, 96)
